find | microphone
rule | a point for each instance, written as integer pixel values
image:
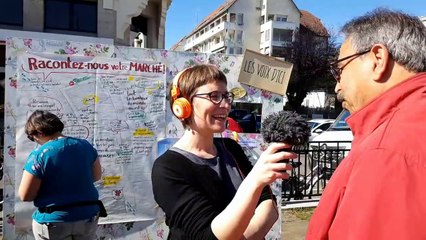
(288, 127)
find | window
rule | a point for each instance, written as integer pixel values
(232, 17)
(239, 50)
(11, 12)
(324, 126)
(271, 17)
(282, 52)
(267, 33)
(282, 35)
(340, 123)
(282, 18)
(232, 35)
(73, 15)
(231, 50)
(239, 36)
(262, 20)
(240, 19)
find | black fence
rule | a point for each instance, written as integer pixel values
(317, 161)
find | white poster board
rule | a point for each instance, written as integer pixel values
(109, 96)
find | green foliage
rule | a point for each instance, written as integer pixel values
(302, 213)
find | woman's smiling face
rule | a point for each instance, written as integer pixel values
(208, 116)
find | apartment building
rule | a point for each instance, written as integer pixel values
(265, 26)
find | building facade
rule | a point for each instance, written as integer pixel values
(113, 19)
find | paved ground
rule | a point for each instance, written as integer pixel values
(295, 218)
(294, 226)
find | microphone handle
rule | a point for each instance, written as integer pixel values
(293, 164)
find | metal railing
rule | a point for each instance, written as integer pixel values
(317, 161)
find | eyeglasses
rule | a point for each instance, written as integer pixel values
(30, 137)
(216, 97)
(336, 71)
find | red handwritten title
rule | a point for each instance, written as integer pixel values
(35, 64)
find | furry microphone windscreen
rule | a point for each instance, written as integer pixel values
(285, 126)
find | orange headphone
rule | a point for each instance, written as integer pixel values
(181, 106)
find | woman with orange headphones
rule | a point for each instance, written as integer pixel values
(206, 186)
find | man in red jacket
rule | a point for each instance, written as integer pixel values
(379, 190)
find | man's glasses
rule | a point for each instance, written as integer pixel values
(216, 97)
(336, 71)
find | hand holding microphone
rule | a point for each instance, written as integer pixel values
(281, 130)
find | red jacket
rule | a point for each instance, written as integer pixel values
(379, 191)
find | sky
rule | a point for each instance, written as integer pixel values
(184, 15)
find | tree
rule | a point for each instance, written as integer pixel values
(311, 55)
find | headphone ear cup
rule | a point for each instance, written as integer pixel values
(182, 108)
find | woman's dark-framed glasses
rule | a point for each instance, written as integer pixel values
(216, 97)
(336, 71)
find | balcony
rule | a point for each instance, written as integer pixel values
(282, 43)
(278, 24)
(216, 30)
(271, 44)
(217, 46)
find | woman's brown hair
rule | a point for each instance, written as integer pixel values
(44, 122)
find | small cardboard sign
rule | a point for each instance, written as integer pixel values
(265, 72)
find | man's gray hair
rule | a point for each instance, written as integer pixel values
(403, 35)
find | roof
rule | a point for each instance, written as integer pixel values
(178, 44)
(314, 24)
(221, 9)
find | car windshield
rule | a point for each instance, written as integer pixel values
(312, 124)
(248, 117)
(340, 123)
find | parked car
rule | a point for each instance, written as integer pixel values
(250, 123)
(339, 131)
(331, 146)
(238, 114)
(318, 126)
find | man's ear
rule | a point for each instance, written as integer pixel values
(380, 57)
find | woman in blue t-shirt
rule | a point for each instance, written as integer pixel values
(58, 176)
